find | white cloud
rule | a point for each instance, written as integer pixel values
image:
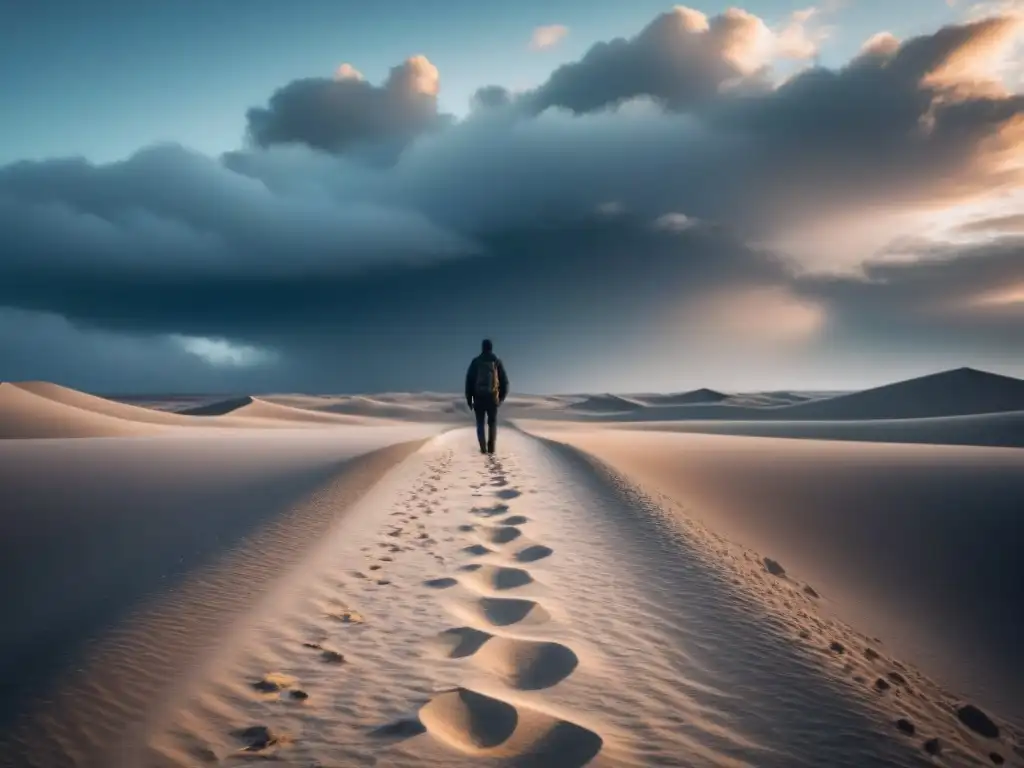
(223, 353)
(548, 36)
(801, 37)
(347, 72)
(674, 222)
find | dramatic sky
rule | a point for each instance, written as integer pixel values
(341, 196)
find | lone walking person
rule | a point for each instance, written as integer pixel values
(486, 389)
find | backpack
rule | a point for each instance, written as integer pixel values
(487, 381)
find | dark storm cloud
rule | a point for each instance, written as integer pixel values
(576, 288)
(171, 211)
(347, 114)
(535, 226)
(962, 297)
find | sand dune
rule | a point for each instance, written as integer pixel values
(684, 398)
(417, 408)
(26, 415)
(129, 560)
(949, 393)
(605, 404)
(611, 590)
(635, 639)
(44, 410)
(93, 404)
(964, 391)
(256, 408)
(906, 542)
(986, 429)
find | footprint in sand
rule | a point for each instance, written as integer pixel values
(477, 550)
(460, 642)
(502, 534)
(526, 665)
(508, 493)
(533, 553)
(492, 511)
(503, 611)
(497, 578)
(485, 727)
(400, 729)
(442, 583)
(514, 520)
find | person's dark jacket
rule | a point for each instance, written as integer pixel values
(489, 357)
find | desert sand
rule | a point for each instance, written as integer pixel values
(632, 580)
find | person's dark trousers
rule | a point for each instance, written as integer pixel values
(486, 407)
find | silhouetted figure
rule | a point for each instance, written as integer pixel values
(486, 389)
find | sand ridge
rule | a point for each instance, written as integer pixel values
(647, 650)
(881, 529)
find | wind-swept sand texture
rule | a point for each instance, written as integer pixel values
(639, 639)
(917, 545)
(122, 562)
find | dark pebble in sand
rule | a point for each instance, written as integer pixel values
(374, 567)
(267, 686)
(314, 646)
(401, 729)
(809, 590)
(836, 647)
(870, 654)
(383, 582)
(332, 657)
(933, 746)
(905, 726)
(299, 695)
(977, 721)
(773, 567)
(897, 678)
(996, 758)
(882, 685)
(804, 634)
(257, 737)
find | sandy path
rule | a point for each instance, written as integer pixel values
(122, 562)
(532, 610)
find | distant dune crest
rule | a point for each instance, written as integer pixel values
(961, 406)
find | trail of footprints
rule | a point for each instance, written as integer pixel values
(408, 526)
(470, 722)
(491, 609)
